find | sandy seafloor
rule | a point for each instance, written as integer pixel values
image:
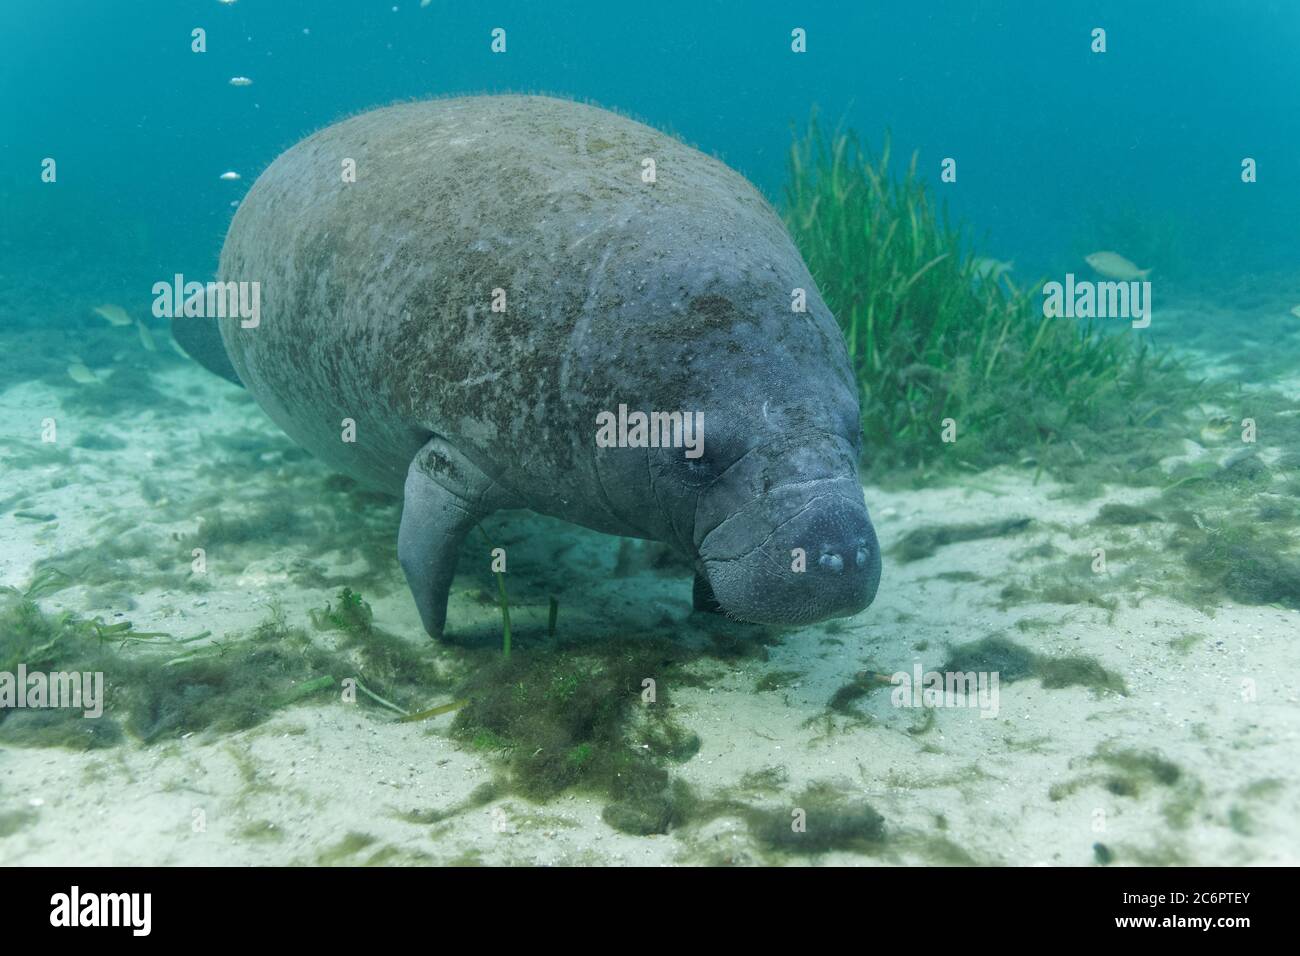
(330, 782)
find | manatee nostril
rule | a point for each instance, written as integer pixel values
(831, 562)
(862, 556)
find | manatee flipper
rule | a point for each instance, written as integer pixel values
(201, 340)
(446, 495)
(702, 596)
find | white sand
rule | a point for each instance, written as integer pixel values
(316, 773)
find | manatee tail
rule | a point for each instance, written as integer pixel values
(201, 340)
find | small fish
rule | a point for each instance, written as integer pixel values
(230, 176)
(1216, 428)
(146, 337)
(1114, 266)
(82, 375)
(433, 711)
(1296, 311)
(115, 314)
(226, 2)
(986, 268)
(425, 3)
(240, 81)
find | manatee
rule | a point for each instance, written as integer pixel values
(502, 275)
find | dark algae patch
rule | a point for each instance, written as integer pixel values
(44, 644)
(595, 720)
(480, 796)
(1121, 515)
(824, 817)
(766, 780)
(924, 542)
(1131, 773)
(822, 820)
(224, 692)
(777, 680)
(12, 821)
(1013, 662)
(845, 699)
(1058, 672)
(1007, 658)
(1245, 563)
(345, 851)
(1141, 765)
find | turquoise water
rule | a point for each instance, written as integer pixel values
(1044, 129)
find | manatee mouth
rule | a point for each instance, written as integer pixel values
(798, 555)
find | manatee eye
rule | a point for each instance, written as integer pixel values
(711, 463)
(706, 466)
(716, 455)
(851, 428)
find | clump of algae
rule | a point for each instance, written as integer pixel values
(1121, 515)
(592, 721)
(1013, 662)
(1244, 562)
(924, 542)
(828, 820)
(845, 699)
(1129, 772)
(12, 821)
(31, 639)
(233, 689)
(406, 671)
(777, 680)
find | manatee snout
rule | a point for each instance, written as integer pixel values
(797, 555)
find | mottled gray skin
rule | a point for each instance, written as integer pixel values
(671, 296)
